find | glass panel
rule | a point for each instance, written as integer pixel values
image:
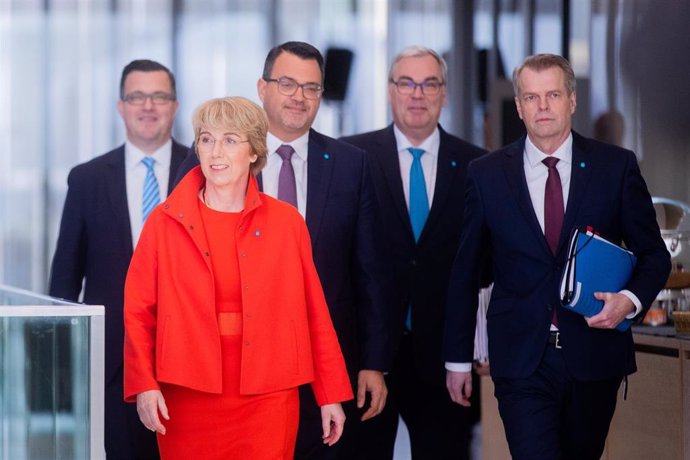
(48, 406)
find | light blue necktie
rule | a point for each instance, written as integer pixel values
(151, 196)
(419, 201)
(419, 205)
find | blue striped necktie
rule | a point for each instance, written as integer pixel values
(419, 201)
(151, 196)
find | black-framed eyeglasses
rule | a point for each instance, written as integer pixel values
(139, 98)
(288, 87)
(206, 142)
(407, 86)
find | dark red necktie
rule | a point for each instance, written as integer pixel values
(553, 205)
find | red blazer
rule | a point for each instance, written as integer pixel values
(171, 329)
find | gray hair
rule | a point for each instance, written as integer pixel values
(539, 62)
(420, 51)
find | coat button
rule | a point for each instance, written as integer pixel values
(248, 314)
(191, 227)
(413, 262)
(180, 215)
(246, 286)
(247, 343)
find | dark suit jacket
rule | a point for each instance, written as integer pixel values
(420, 270)
(341, 214)
(608, 193)
(95, 242)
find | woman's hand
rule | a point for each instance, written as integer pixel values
(149, 403)
(332, 421)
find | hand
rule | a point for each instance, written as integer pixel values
(371, 382)
(482, 368)
(148, 405)
(459, 386)
(616, 308)
(332, 421)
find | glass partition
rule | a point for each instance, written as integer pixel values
(51, 378)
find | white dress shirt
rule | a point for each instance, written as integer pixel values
(270, 172)
(429, 162)
(135, 174)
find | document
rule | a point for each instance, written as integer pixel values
(594, 265)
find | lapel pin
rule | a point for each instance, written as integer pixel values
(453, 164)
(326, 156)
(582, 164)
(257, 233)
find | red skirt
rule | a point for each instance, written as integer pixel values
(229, 425)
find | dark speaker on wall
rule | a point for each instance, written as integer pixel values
(337, 74)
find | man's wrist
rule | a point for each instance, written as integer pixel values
(458, 367)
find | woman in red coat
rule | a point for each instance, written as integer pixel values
(224, 312)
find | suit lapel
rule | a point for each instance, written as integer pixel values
(117, 195)
(177, 155)
(579, 178)
(446, 172)
(515, 175)
(319, 171)
(387, 156)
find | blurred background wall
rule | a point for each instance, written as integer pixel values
(60, 64)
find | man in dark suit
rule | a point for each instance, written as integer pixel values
(330, 186)
(556, 373)
(420, 254)
(101, 221)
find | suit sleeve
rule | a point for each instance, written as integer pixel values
(466, 274)
(331, 383)
(373, 315)
(69, 261)
(642, 236)
(140, 313)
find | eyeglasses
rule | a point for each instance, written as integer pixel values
(288, 87)
(408, 86)
(206, 143)
(139, 98)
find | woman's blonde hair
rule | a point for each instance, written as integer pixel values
(238, 115)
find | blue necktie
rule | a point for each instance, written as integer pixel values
(151, 196)
(419, 205)
(419, 201)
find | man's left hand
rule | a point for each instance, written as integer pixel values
(616, 308)
(371, 382)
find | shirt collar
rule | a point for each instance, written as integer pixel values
(134, 155)
(301, 145)
(430, 145)
(535, 156)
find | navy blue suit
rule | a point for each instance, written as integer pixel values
(608, 193)
(341, 216)
(94, 247)
(420, 272)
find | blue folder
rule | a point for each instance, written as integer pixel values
(594, 265)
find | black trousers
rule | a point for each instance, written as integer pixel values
(126, 438)
(550, 415)
(309, 445)
(439, 429)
